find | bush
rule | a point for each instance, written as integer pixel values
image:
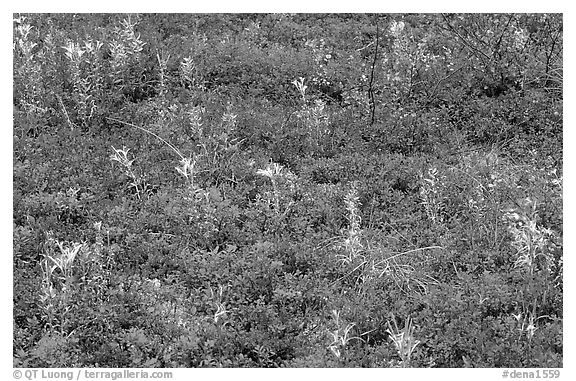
(284, 190)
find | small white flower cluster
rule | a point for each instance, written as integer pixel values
(396, 27)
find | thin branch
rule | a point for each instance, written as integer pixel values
(370, 88)
(65, 112)
(466, 43)
(497, 46)
(151, 133)
(365, 47)
(549, 56)
(433, 93)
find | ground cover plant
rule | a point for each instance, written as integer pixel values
(287, 190)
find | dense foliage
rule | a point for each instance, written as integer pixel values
(287, 190)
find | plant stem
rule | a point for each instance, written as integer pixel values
(151, 133)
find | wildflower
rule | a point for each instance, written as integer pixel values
(404, 340)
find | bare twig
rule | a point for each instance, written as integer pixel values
(151, 133)
(370, 88)
(433, 93)
(497, 46)
(549, 55)
(464, 41)
(65, 112)
(365, 47)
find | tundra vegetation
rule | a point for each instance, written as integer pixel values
(287, 190)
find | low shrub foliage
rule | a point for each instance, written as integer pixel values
(287, 190)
